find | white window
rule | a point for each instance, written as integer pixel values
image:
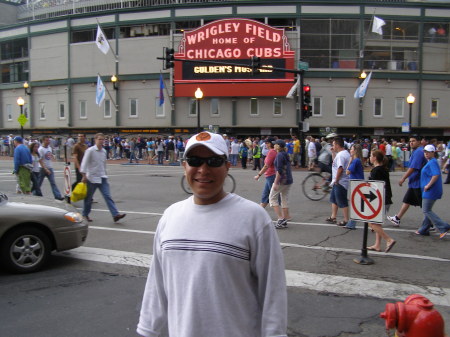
(107, 109)
(42, 110)
(192, 107)
(317, 106)
(9, 111)
(377, 107)
(340, 106)
(61, 110)
(399, 107)
(277, 106)
(434, 113)
(160, 111)
(214, 107)
(83, 112)
(133, 108)
(254, 106)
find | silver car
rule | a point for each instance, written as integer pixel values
(32, 227)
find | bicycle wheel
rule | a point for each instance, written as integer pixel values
(312, 187)
(229, 184)
(185, 186)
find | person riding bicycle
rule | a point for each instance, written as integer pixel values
(326, 156)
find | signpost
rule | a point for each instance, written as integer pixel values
(366, 205)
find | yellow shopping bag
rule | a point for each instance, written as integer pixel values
(79, 192)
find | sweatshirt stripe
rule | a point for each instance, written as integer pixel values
(207, 246)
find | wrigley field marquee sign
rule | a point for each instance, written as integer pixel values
(233, 41)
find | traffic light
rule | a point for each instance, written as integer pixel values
(307, 94)
(256, 64)
(306, 106)
(168, 60)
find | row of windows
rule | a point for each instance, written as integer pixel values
(377, 107)
(317, 108)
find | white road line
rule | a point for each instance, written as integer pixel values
(317, 282)
(294, 245)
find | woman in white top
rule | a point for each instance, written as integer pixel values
(35, 189)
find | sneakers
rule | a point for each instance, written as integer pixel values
(281, 224)
(87, 218)
(395, 220)
(118, 217)
(442, 235)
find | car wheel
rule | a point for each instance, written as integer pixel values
(25, 250)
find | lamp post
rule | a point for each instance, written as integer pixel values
(20, 103)
(362, 77)
(198, 97)
(410, 99)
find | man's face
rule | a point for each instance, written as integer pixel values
(99, 141)
(206, 182)
(81, 139)
(46, 142)
(414, 143)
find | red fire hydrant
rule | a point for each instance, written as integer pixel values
(414, 318)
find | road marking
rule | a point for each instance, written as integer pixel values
(294, 245)
(317, 282)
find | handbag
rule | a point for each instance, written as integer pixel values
(79, 192)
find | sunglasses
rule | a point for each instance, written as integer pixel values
(210, 161)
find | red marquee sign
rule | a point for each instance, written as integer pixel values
(233, 41)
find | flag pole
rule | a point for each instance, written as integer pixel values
(109, 44)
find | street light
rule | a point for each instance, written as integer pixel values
(410, 99)
(26, 87)
(114, 80)
(198, 96)
(363, 75)
(20, 103)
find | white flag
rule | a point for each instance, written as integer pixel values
(291, 92)
(377, 25)
(101, 41)
(100, 92)
(361, 91)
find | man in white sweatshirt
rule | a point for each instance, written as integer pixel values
(217, 266)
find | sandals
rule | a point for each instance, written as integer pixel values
(341, 223)
(373, 249)
(330, 220)
(389, 246)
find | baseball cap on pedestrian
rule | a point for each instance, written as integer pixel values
(280, 143)
(18, 139)
(270, 140)
(429, 148)
(212, 141)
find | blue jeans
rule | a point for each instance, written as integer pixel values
(160, 157)
(267, 188)
(51, 179)
(233, 159)
(104, 189)
(35, 189)
(431, 218)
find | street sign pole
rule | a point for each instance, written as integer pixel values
(364, 259)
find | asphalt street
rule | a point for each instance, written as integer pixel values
(96, 290)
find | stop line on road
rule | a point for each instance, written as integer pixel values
(318, 282)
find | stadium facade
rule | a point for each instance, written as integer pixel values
(50, 46)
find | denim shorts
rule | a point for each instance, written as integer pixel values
(338, 196)
(267, 187)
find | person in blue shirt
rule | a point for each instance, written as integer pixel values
(22, 157)
(431, 186)
(413, 196)
(355, 170)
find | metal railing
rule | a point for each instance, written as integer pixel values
(46, 9)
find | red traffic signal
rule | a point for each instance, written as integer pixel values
(306, 88)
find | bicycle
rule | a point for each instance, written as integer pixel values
(316, 185)
(229, 184)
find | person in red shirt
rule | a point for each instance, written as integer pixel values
(268, 170)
